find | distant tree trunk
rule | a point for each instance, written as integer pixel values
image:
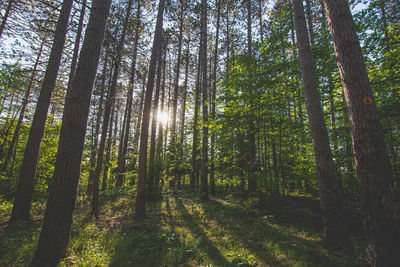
(310, 22)
(260, 10)
(159, 147)
(57, 222)
(5, 17)
(23, 195)
(335, 234)
(89, 190)
(194, 172)
(77, 42)
(177, 74)
(108, 155)
(213, 99)
(152, 166)
(144, 134)
(107, 111)
(15, 138)
(130, 90)
(380, 208)
(252, 156)
(183, 115)
(204, 86)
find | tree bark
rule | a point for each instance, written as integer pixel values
(335, 234)
(130, 90)
(213, 99)
(107, 112)
(152, 167)
(144, 134)
(204, 86)
(380, 208)
(23, 195)
(57, 222)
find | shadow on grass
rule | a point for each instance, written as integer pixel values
(275, 241)
(193, 224)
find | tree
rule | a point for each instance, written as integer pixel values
(380, 208)
(335, 234)
(144, 133)
(5, 16)
(204, 87)
(57, 222)
(23, 196)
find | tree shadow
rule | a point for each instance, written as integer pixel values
(191, 222)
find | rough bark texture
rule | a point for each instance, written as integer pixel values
(380, 208)
(55, 233)
(144, 134)
(332, 212)
(107, 112)
(23, 195)
(204, 87)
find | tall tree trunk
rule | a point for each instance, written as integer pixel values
(204, 87)
(57, 222)
(159, 147)
(108, 154)
(152, 167)
(213, 99)
(335, 234)
(77, 43)
(380, 208)
(260, 10)
(252, 156)
(144, 134)
(23, 195)
(183, 114)
(130, 90)
(310, 22)
(107, 111)
(194, 172)
(5, 17)
(15, 138)
(89, 190)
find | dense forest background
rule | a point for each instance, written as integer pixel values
(202, 108)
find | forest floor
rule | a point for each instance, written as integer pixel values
(181, 231)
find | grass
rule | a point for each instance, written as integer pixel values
(181, 231)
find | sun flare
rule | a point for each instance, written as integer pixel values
(163, 117)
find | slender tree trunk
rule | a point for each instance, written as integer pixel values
(130, 90)
(380, 208)
(204, 87)
(214, 93)
(183, 115)
(57, 222)
(159, 147)
(15, 138)
(152, 167)
(193, 174)
(335, 234)
(108, 154)
(77, 43)
(260, 10)
(23, 195)
(310, 22)
(5, 17)
(89, 190)
(144, 134)
(252, 156)
(107, 110)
